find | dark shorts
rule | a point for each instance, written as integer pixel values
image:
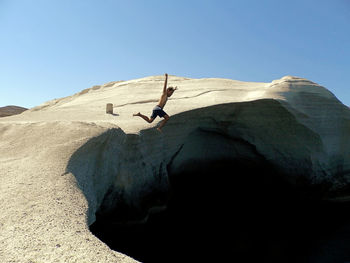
(158, 111)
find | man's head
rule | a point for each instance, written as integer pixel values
(170, 91)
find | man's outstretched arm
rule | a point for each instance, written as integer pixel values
(165, 83)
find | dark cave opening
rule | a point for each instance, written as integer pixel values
(236, 210)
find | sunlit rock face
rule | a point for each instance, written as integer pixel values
(232, 154)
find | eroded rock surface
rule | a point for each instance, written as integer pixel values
(65, 161)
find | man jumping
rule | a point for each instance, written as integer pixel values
(158, 110)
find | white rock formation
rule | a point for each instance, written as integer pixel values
(64, 160)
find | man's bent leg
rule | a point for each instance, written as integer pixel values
(149, 120)
(161, 125)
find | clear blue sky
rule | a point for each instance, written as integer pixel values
(55, 48)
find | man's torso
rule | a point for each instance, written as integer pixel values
(162, 101)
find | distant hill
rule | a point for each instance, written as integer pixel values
(11, 110)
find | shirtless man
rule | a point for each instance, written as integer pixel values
(158, 110)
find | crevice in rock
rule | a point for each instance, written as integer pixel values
(229, 209)
(225, 201)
